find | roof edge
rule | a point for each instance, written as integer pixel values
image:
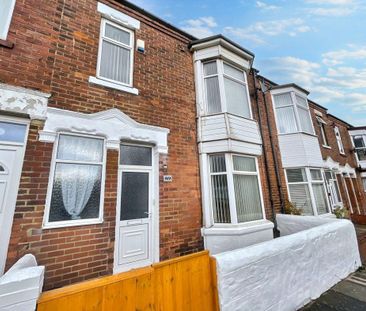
(220, 37)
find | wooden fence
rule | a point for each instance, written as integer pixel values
(181, 284)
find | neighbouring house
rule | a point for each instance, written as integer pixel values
(358, 135)
(125, 141)
(317, 154)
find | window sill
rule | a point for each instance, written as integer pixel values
(72, 223)
(327, 147)
(112, 85)
(6, 44)
(239, 229)
(294, 133)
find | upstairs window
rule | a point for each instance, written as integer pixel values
(339, 140)
(115, 61)
(360, 147)
(323, 135)
(292, 113)
(226, 89)
(6, 13)
(235, 189)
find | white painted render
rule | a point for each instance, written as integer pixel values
(22, 100)
(118, 16)
(112, 124)
(286, 273)
(21, 286)
(299, 150)
(222, 239)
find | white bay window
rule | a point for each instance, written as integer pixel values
(235, 189)
(307, 190)
(292, 113)
(226, 89)
(76, 181)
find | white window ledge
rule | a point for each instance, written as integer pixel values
(112, 85)
(239, 229)
(325, 146)
(71, 223)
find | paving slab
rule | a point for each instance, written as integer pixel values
(351, 289)
(335, 301)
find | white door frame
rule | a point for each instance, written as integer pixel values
(8, 216)
(154, 240)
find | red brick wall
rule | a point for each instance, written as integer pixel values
(32, 32)
(268, 132)
(63, 42)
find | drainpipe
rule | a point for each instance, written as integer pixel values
(275, 230)
(264, 90)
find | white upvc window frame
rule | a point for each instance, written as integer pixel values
(363, 179)
(323, 134)
(339, 140)
(5, 30)
(221, 75)
(333, 180)
(80, 222)
(309, 182)
(130, 47)
(359, 148)
(296, 106)
(230, 172)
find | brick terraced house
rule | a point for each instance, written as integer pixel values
(125, 141)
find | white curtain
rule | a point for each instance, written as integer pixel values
(236, 98)
(77, 183)
(320, 198)
(115, 62)
(283, 100)
(247, 198)
(300, 197)
(117, 34)
(305, 120)
(213, 94)
(78, 180)
(286, 120)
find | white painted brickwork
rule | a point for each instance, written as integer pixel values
(286, 273)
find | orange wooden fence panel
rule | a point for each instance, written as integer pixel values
(186, 283)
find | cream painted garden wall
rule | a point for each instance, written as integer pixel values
(312, 255)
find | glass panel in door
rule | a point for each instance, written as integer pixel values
(134, 195)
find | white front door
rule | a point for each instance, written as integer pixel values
(12, 144)
(134, 226)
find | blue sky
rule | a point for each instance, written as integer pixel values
(318, 44)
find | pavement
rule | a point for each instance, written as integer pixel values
(349, 294)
